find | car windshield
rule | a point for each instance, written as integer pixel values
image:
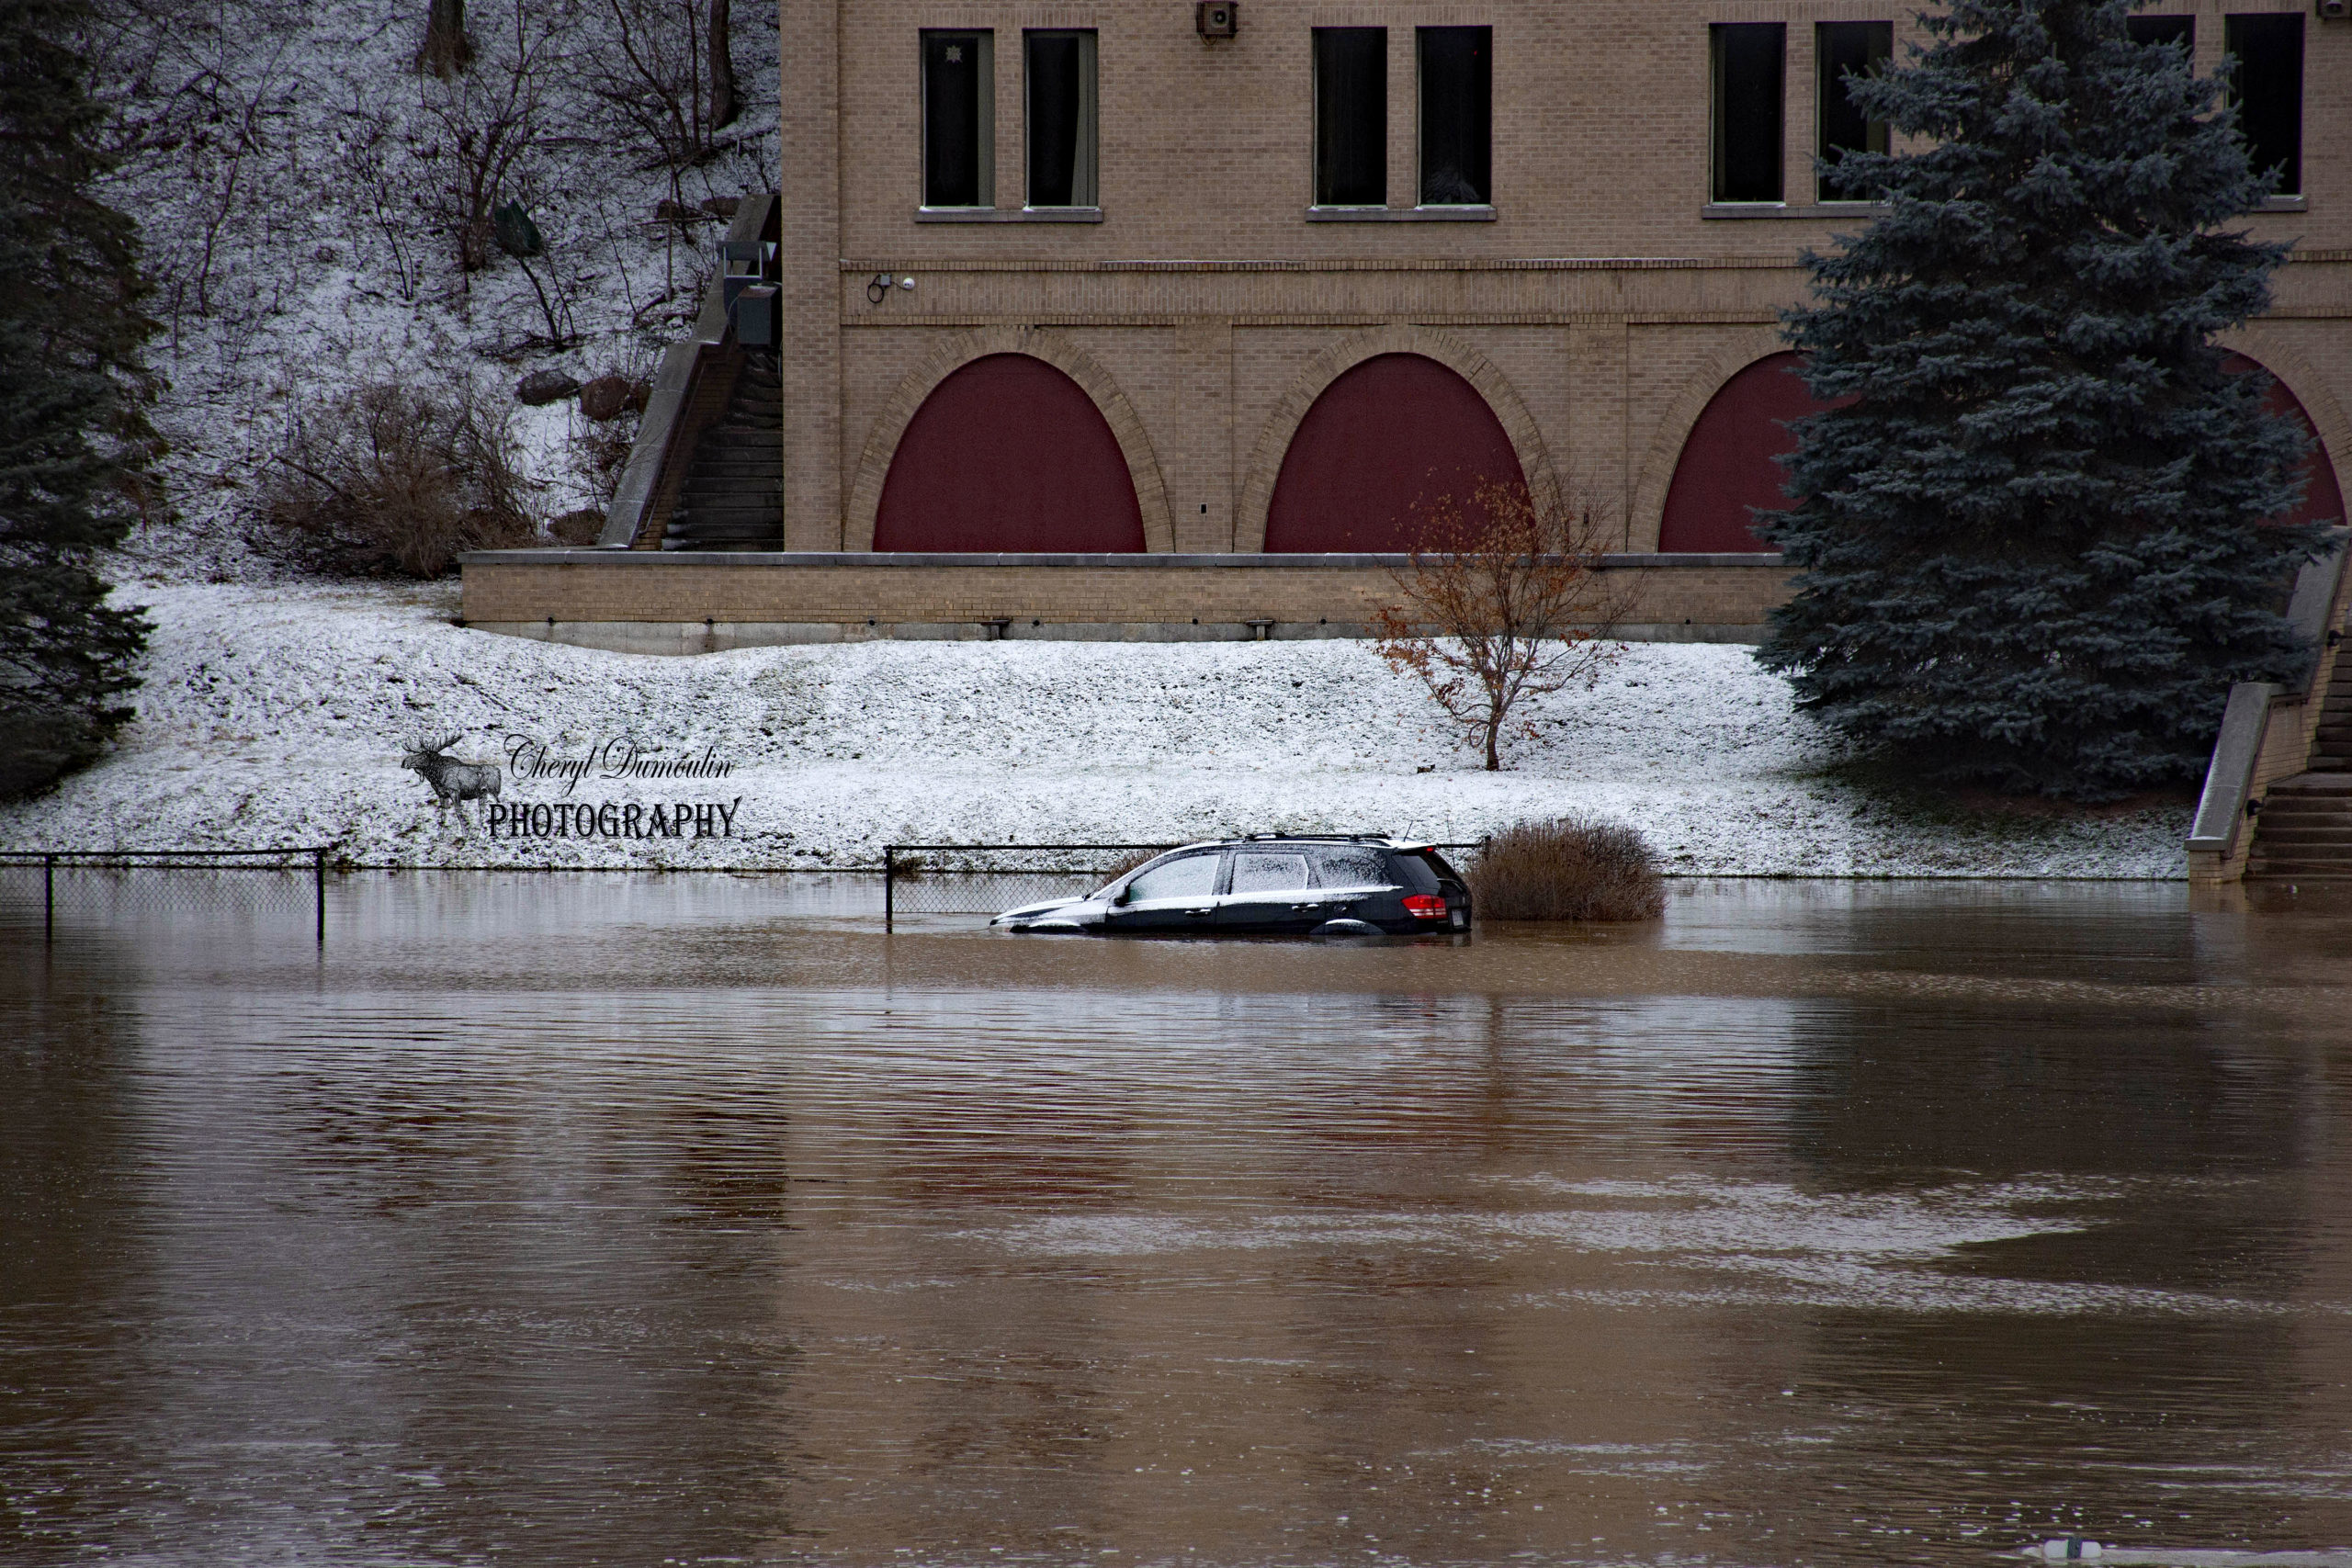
(1269, 871)
(1188, 876)
(1349, 866)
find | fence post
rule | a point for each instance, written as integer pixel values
(318, 885)
(889, 870)
(49, 898)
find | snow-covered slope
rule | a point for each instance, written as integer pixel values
(278, 716)
(298, 185)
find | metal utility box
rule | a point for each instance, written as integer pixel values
(758, 315)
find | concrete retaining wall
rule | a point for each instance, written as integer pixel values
(677, 602)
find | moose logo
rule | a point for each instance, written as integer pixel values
(451, 781)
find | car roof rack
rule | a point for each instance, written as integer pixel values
(1328, 838)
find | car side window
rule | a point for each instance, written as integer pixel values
(1263, 870)
(1349, 866)
(1193, 876)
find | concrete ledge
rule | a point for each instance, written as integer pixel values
(692, 602)
(674, 638)
(1137, 560)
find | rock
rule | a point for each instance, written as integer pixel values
(580, 528)
(607, 397)
(721, 205)
(545, 386)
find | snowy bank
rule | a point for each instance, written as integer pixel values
(277, 714)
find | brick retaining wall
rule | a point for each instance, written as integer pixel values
(675, 601)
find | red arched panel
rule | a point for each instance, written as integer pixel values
(1009, 454)
(2323, 498)
(1729, 464)
(1389, 437)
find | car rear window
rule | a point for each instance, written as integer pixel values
(1349, 866)
(1422, 870)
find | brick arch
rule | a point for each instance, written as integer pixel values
(915, 389)
(1655, 475)
(1316, 377)
(1730, 465)
(2305, 393)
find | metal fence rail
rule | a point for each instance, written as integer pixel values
(981, 879)
(193, 882)
(985, 879)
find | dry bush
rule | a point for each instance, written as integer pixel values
(598, 454)
(1126, 864)
(1504, 601)
(391, 480)
(1573, 868)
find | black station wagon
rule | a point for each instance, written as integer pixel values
(1358, 885)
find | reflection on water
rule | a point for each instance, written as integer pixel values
(576, 1220)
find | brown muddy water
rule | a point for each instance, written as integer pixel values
(690, 1219)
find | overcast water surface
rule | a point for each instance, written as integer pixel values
(643, 1220)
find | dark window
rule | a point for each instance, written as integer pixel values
(1843, 51)
(1352, 117)
(1424, 871)
(959, 119)
(1457, 115)
(1349, 866)
(2267, 88)
(1746, 133)
(1061, 118)
(2181, 30)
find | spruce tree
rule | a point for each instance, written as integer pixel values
(2038, 546)
(73, 438)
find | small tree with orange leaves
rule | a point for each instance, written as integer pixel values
(1504, 601)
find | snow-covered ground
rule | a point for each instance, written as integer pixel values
(277, 714)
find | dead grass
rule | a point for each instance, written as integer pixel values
(391, 480)
(1572, 868)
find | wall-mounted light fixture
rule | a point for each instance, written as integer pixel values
(1218, 19)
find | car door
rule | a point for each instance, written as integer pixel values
(1177, 894)
(1271, 891)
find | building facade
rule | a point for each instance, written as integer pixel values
(1258, 277)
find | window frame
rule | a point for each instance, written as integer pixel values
(1874, 130)
(1317, 160)
(1421, 119)
(1718, 37)
(1086, 192)
(2290, 189)
(984, 131)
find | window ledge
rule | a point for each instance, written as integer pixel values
(1808, 210)
(2285, 204)
(1008, 215)
(1400, 215)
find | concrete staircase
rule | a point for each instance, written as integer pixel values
(2306, 828)
(733, 498)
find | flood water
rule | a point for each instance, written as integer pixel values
(691, 1219)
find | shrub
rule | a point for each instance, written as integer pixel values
(1571, 868)
(390, 480)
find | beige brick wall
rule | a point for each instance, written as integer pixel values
(1602, 299)
(536, 586)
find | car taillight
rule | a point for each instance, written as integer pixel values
(1425, 905)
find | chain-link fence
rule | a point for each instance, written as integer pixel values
(985, 879)
(121, 888)
(988, 879)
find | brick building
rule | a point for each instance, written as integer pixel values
(1248, 279)
(1263, 249)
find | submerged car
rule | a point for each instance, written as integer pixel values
(1359, 884)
